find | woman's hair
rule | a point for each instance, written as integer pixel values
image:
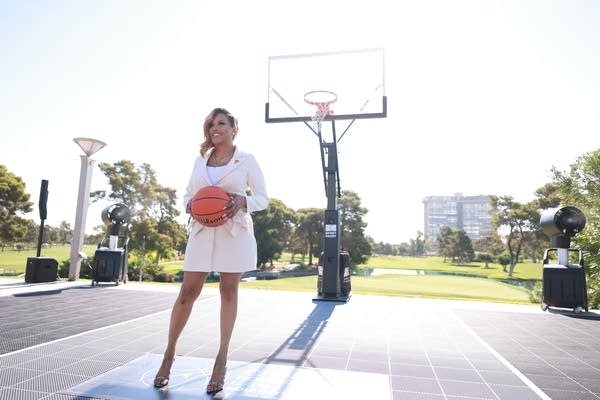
(207, 144)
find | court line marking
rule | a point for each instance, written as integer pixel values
(503, 360)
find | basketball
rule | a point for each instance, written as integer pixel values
(209, 204)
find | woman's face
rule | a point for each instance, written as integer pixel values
(220, 130)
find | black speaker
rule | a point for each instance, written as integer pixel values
(43, 199)
(41, 269)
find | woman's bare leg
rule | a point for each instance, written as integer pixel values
(228, 288)
(188, 293)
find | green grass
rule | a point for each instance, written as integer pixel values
(172, 267)
(12, 260)
(440, 287)
(482, 284)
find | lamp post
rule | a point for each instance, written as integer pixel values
(89, 147)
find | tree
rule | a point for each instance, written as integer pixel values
(66, 232)
(152, 207)
(309, 231)
(13, 201)
(353, 228)
(455, 244)
(444, 242)
(547, 196)
(579, 186)
(273, 231)
(126, 182)
(384, 249)
(518, 219)
(486, 258)
(463, 250)
(491, 243)
(503, 259)
(417, 246)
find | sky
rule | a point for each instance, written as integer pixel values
(484, 97)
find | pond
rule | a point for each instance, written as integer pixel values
(393, 271)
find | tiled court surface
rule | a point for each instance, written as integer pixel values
(286, 346)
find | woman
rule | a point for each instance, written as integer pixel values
(229, 249)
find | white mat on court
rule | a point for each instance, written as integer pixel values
(245, 381)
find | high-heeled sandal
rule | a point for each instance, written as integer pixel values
(216, 385)
(160, 381)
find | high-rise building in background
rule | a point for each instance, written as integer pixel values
(469, 213)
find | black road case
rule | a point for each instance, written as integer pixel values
(564, 286)
(110, 265)
(344, 274)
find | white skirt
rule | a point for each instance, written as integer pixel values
(219, 250)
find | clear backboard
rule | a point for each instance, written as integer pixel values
(355, 78)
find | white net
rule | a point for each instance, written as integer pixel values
(322, 112)
(322, 99)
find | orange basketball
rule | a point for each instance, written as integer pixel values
(209, 204)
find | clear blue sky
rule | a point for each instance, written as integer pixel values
(484, 97)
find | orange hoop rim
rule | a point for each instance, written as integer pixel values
(321, 103)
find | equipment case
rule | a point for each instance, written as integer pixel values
(110, 265)
(564, 286)
(344, 274)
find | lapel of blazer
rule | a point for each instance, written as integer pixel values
(235, 162)
(204, 170)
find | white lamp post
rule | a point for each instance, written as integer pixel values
(89, 147)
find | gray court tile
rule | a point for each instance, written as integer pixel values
(50, 382)
(555, 382)
(569, 395)
(458, 374)
(591, 384)
(326, 362)
(244, 381)
(88, 368)
(116, 356)
(535, 367)
(450, 362)
(488, 365)
(509, 392)
(11, 375)
(374, 365)
(415, 384)
(580, 369)
(400, 395)
(502, 377)
(297, 334)
(59, 396)
(16, 394)
(412, 357)
(407, 370)
(464, 388)
(207, 352)
(363, 353)
(333, 351)
(45, 364)
(16, 359)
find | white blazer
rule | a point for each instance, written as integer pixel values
(230, 247)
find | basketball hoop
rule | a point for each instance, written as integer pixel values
(322, 99)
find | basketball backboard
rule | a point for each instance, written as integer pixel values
(356, 78)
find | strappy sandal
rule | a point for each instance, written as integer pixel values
(160, 381)
(216, 385)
